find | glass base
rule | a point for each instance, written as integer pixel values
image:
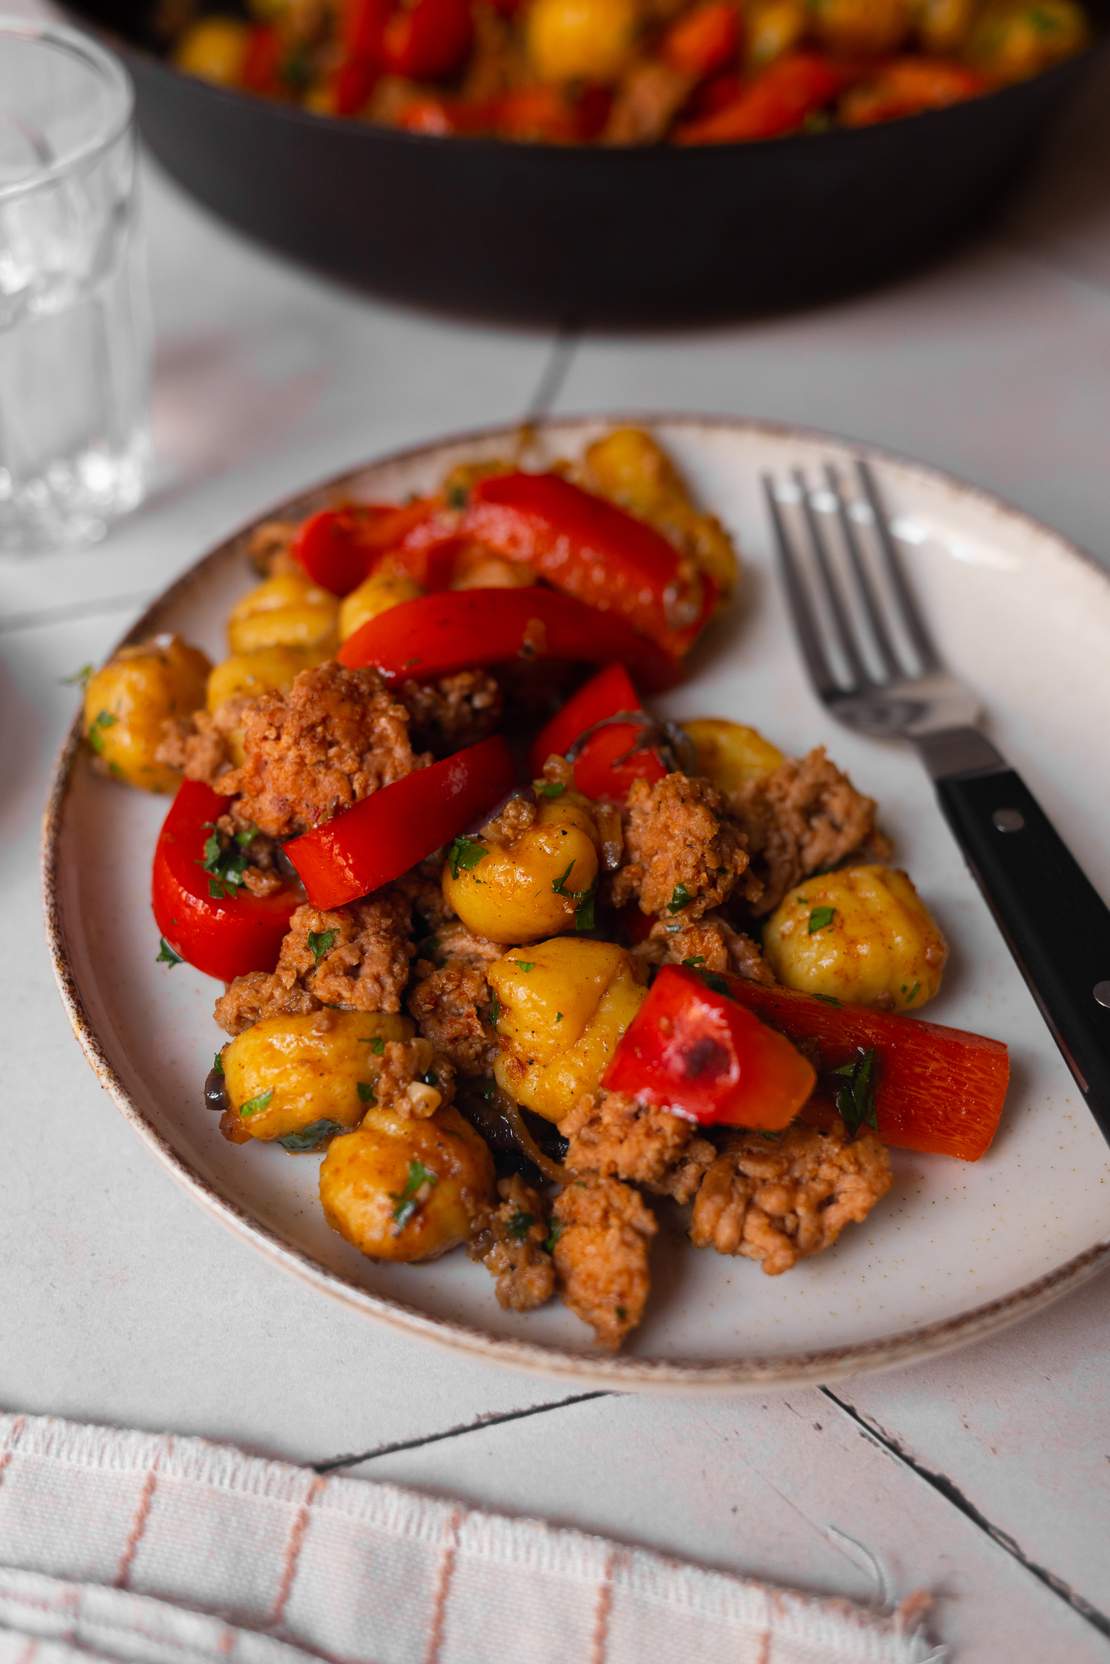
(74, 502)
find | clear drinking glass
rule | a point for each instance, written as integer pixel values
(74, 328)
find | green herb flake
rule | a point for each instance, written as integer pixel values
(1044, 21)
(366, 1092)
(525, 964)
(80, 678)
(494, 1011)
(585, 914)
(226, 865)
(420, 1179)
(714, 980)
(165, 954)
(855, 1099)
(218, 1063)
(829, 999)
(680, 898)
(820, 919)
(457, 496)
(311, 1137)
(520, 1224)
(253, 1105)
(558, 1016)
(549, 788)
(464, 855)
(698, 959)
(553, 1236)
(95, 735)
(913, 993)
(321, 942)
(559, 885)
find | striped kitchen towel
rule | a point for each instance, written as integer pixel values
(140, 1549)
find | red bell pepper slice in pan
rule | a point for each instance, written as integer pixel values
(697, 1051)
(706, 40)
(339, 547)
(593, 550)
(427, 39)
(383, 836)
(776, 102)
(938, 1090)
(462, 629)
(610, 759)
(223, 936)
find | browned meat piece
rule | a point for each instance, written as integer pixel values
(510, 823)
(603, 1233)
(684, 853)
(424, 888)
(355, 957)
(198, 744)
(618, 1137)
(414, 1079)
(710, 944)
(450, 998)
(510, 1240)
(453, 711)
(334, 738)
(805, 816)
(648, 98)
(781, 1199)
(269, 547)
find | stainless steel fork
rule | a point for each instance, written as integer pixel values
(873, 662)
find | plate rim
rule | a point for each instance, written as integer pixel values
(629, 1373)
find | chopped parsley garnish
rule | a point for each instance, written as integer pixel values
(549, 788)
(296, 72)
(520, 1224)
(553, 1235)
(321, 942)
(226, 864)
(698, 959)
(559, 885)
(525, 964)
(820, 919)
(218, 1063)
(913, 993)
(80, 678)
(376, 1043)
(829, 999)
(312, 1136)
(408, 1202)
(95, 735)
(680, 898)
(855, 1099)
(494, 1011)
(464, 855)
(366, 1092)
(714, 980)
(585, 914)
(457, 496)
(558, 1016)
(165, 954)
(253, 1105)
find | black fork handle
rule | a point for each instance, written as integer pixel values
(1055, 923)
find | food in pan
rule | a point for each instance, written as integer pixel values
(534, 972)
(625, 71)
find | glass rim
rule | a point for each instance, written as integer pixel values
(111, 70)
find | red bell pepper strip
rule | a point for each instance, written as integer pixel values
(938, 1090)
(463, 629)
(426, 39)
(593, 550)
(261, 67)
(383, 836)
(223, 936)
(361, 28)
(339, 547)
(704, 40)
(776, 102)
(696, 1051)
(549, 115)
(906, 87)
(352, 81)
(612, 757)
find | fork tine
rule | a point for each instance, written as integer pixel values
(883, 643)
(912, 618)
(809, 637)
(841, 623)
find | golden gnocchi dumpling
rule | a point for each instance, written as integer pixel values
(407, 1189)
(213, 48)
(287, 610)
(772, 28)
(862, 936)
(870, 28)
(539, 883)
(376, 594)
(128, 700)
(267, 670)
(581, 40)
(1011, 42)
(562, 1006)
(297, 1078)
(730, 754)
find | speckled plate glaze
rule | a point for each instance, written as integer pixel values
(956, 1251)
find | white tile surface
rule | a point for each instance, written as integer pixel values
(123, 1303)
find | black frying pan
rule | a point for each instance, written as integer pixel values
(536, 231)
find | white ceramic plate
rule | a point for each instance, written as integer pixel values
(956, 1250)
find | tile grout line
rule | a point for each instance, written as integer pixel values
(870, 1429)
(497, 1419)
